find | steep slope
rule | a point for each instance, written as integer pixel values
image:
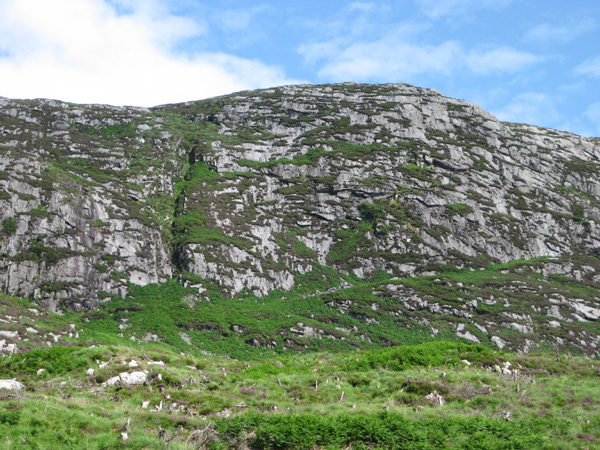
(256, 190)
(367, 178)
(85, 191)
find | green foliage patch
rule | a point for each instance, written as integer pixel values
(10, 417)
(460, 209)
(56, 360)
(429, 354)
(38, 251)
(9, 225)
(383, 430)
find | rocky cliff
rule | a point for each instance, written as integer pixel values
(255, 188)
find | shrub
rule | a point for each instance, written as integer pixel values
(438, 353)
(371, 212)
(55, 360)
(359, 380)
(423, 388)
(9, 225)
(460, 209)
(384, 430)
(10, 417)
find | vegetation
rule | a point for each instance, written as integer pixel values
(9, 225)
(357, 354)
(459, 209)
(339, 309)
(443, 395)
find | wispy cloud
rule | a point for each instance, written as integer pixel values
(530, 107)
(549, 34)
(593, 113)
(590, 67)
(396, 56)
(503, 59)
(322, 50)
(119, 52)
(355, 21)
(390, 58)
(362, 6)
(239, 19)
(441, 8)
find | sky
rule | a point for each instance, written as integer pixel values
(529, 61)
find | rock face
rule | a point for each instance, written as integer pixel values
(255, 188)
(80, 190)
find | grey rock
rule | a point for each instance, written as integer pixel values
(501, 343)
(128, 379)
(292, 172)
(11, 385)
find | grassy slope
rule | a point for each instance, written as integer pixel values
(303, 393)
(369, 400)
(208, 319)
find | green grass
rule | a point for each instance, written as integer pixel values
(431, 354)
(365, 315)
(300, 248)
(295, 401)
(38, 211)
(459, 209)
(300, 393)
(347, 242)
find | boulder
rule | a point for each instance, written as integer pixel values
(128, 379)
(12, 385)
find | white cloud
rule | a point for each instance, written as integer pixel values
(440, 8)
(84, 51)
(396, 57)
(548, 34)
(390, 58)
(530, 107)
(593, 113)
(500, 60)
(591, 67)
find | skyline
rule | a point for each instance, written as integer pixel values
(533, 62)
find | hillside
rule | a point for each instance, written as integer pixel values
(301, 217)
(305, 267)
(431, 396)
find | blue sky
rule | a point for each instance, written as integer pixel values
(533, 61)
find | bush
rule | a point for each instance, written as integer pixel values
(430, 354)
(56, 360)
(359, 380)
(423, 388)
(384, 430)
(460, 209)
(10, 417)
(371, 212)
(9, 225)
